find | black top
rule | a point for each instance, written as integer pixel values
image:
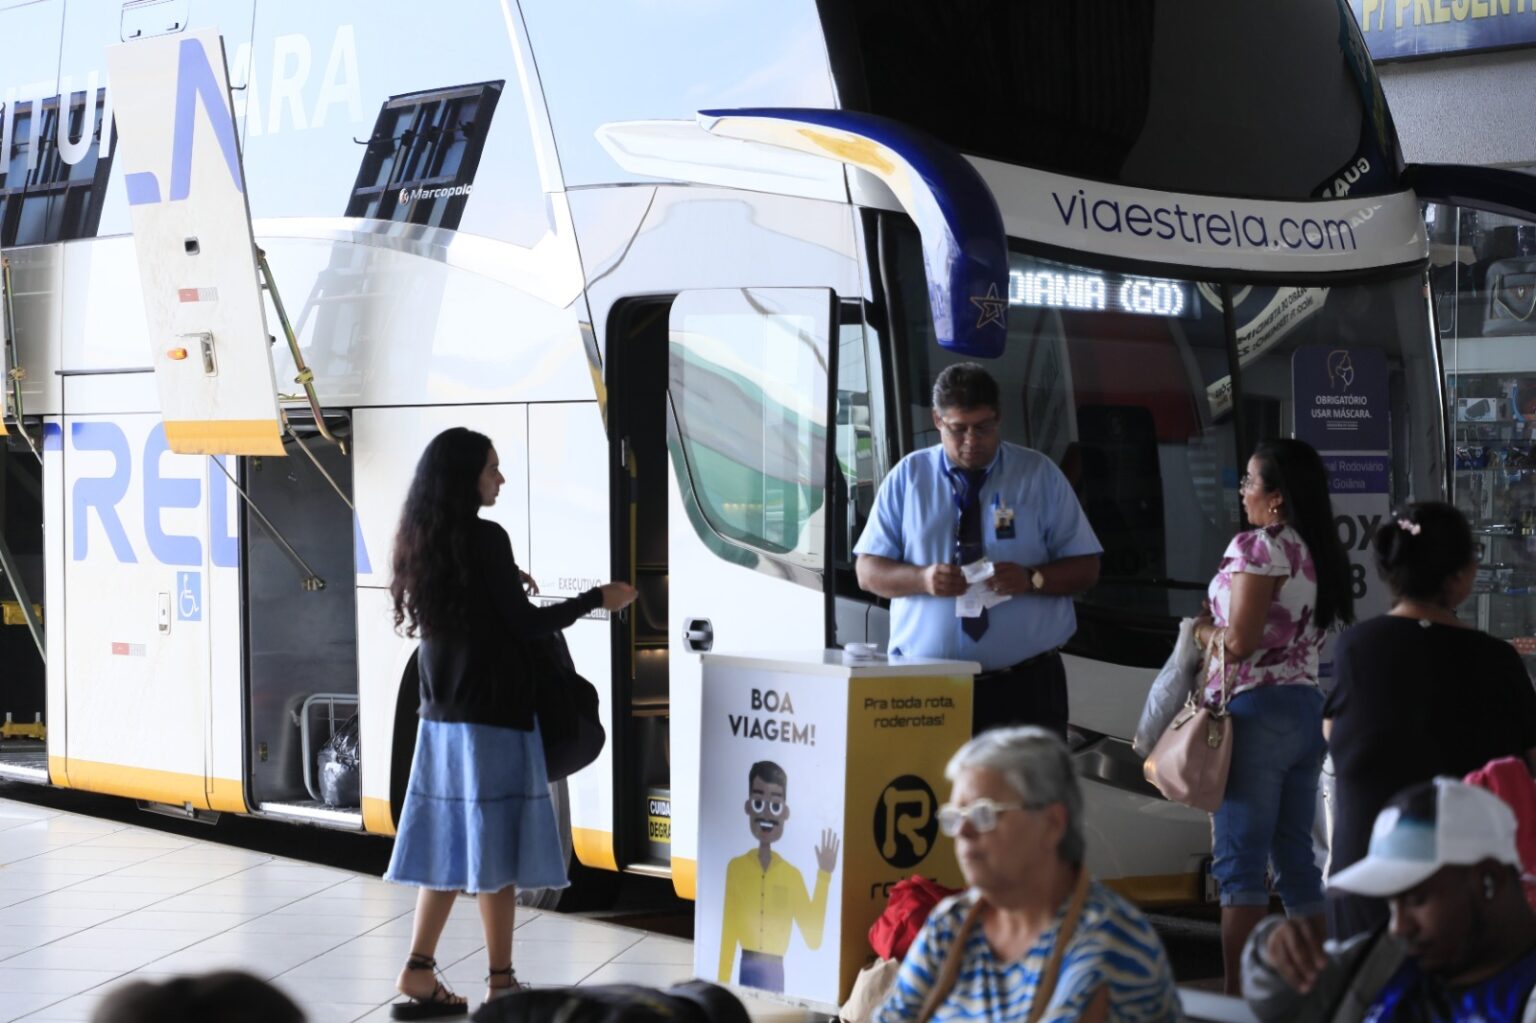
(1410, 703)
(480, 675)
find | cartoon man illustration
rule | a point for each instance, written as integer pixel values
(764, 895)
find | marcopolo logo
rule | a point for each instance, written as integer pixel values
(410, 195)
(906, 821)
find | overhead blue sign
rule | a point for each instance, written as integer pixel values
(1395, 29)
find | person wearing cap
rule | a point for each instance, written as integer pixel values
(1461, 943)
(980, 545)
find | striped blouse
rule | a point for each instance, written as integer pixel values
(1113, 946)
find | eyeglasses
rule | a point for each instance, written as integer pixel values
(1249, 483)
(985, 428)
(775, 806)
(982, 814)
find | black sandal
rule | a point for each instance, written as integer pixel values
(501, 990)
(440, 1004)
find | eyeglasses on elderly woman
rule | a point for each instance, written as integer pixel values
(982, 814)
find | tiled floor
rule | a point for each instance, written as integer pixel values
(86, 904)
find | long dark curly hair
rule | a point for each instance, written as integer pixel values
(432, 556)
(1294, 469)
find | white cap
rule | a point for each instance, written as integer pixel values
(1437, 824)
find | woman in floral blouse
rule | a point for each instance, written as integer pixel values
(1280, 587)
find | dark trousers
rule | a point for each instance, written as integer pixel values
(1032, 692)
(762, 971)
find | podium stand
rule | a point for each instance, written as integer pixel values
(809, 762)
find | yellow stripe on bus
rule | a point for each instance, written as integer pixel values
(377, 818)
(1159, 889)
(141, 783)
(685, 877)
(226, 796)
(594, 848)
(224, 436)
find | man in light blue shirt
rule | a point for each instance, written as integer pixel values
(972, 500)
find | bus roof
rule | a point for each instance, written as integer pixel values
(1267, 101)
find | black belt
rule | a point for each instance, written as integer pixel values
(1029, 662)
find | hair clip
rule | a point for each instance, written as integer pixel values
(1411, 528)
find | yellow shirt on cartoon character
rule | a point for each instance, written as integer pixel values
(761, 906)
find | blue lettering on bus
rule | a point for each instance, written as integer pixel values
(223, 547)
(104, 493)
(161, 492)
(195, 81)
(360, 549)
(101, 493)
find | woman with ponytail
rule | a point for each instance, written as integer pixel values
(1417, 692)
(1280, 586)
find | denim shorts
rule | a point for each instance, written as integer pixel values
(1266, 815)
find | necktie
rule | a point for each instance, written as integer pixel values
(968, 542)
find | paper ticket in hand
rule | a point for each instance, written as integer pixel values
(978, 571)
(991, 598)
(977, 599)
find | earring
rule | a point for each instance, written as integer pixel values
(1488, 887)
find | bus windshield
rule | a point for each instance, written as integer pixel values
(1181, 95)
(1126, 381)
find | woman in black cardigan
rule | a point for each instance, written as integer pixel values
(477, 815)
(1418, 693)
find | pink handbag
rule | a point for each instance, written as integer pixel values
(1189, 763)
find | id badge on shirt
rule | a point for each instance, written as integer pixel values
(1002, 519)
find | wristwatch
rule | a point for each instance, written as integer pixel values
(1037, 580)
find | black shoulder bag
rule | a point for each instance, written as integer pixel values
(566, 705)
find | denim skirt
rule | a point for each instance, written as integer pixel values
(477, 813)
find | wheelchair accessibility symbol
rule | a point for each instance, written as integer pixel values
(189, 596)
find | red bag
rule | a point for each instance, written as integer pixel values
(906, 910)
(1509, 778)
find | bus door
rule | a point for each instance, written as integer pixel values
(748, 440)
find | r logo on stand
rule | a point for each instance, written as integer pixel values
(906, 821)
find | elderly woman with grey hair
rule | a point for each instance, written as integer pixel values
(1033, 938)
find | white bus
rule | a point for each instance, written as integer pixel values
(693, 267)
